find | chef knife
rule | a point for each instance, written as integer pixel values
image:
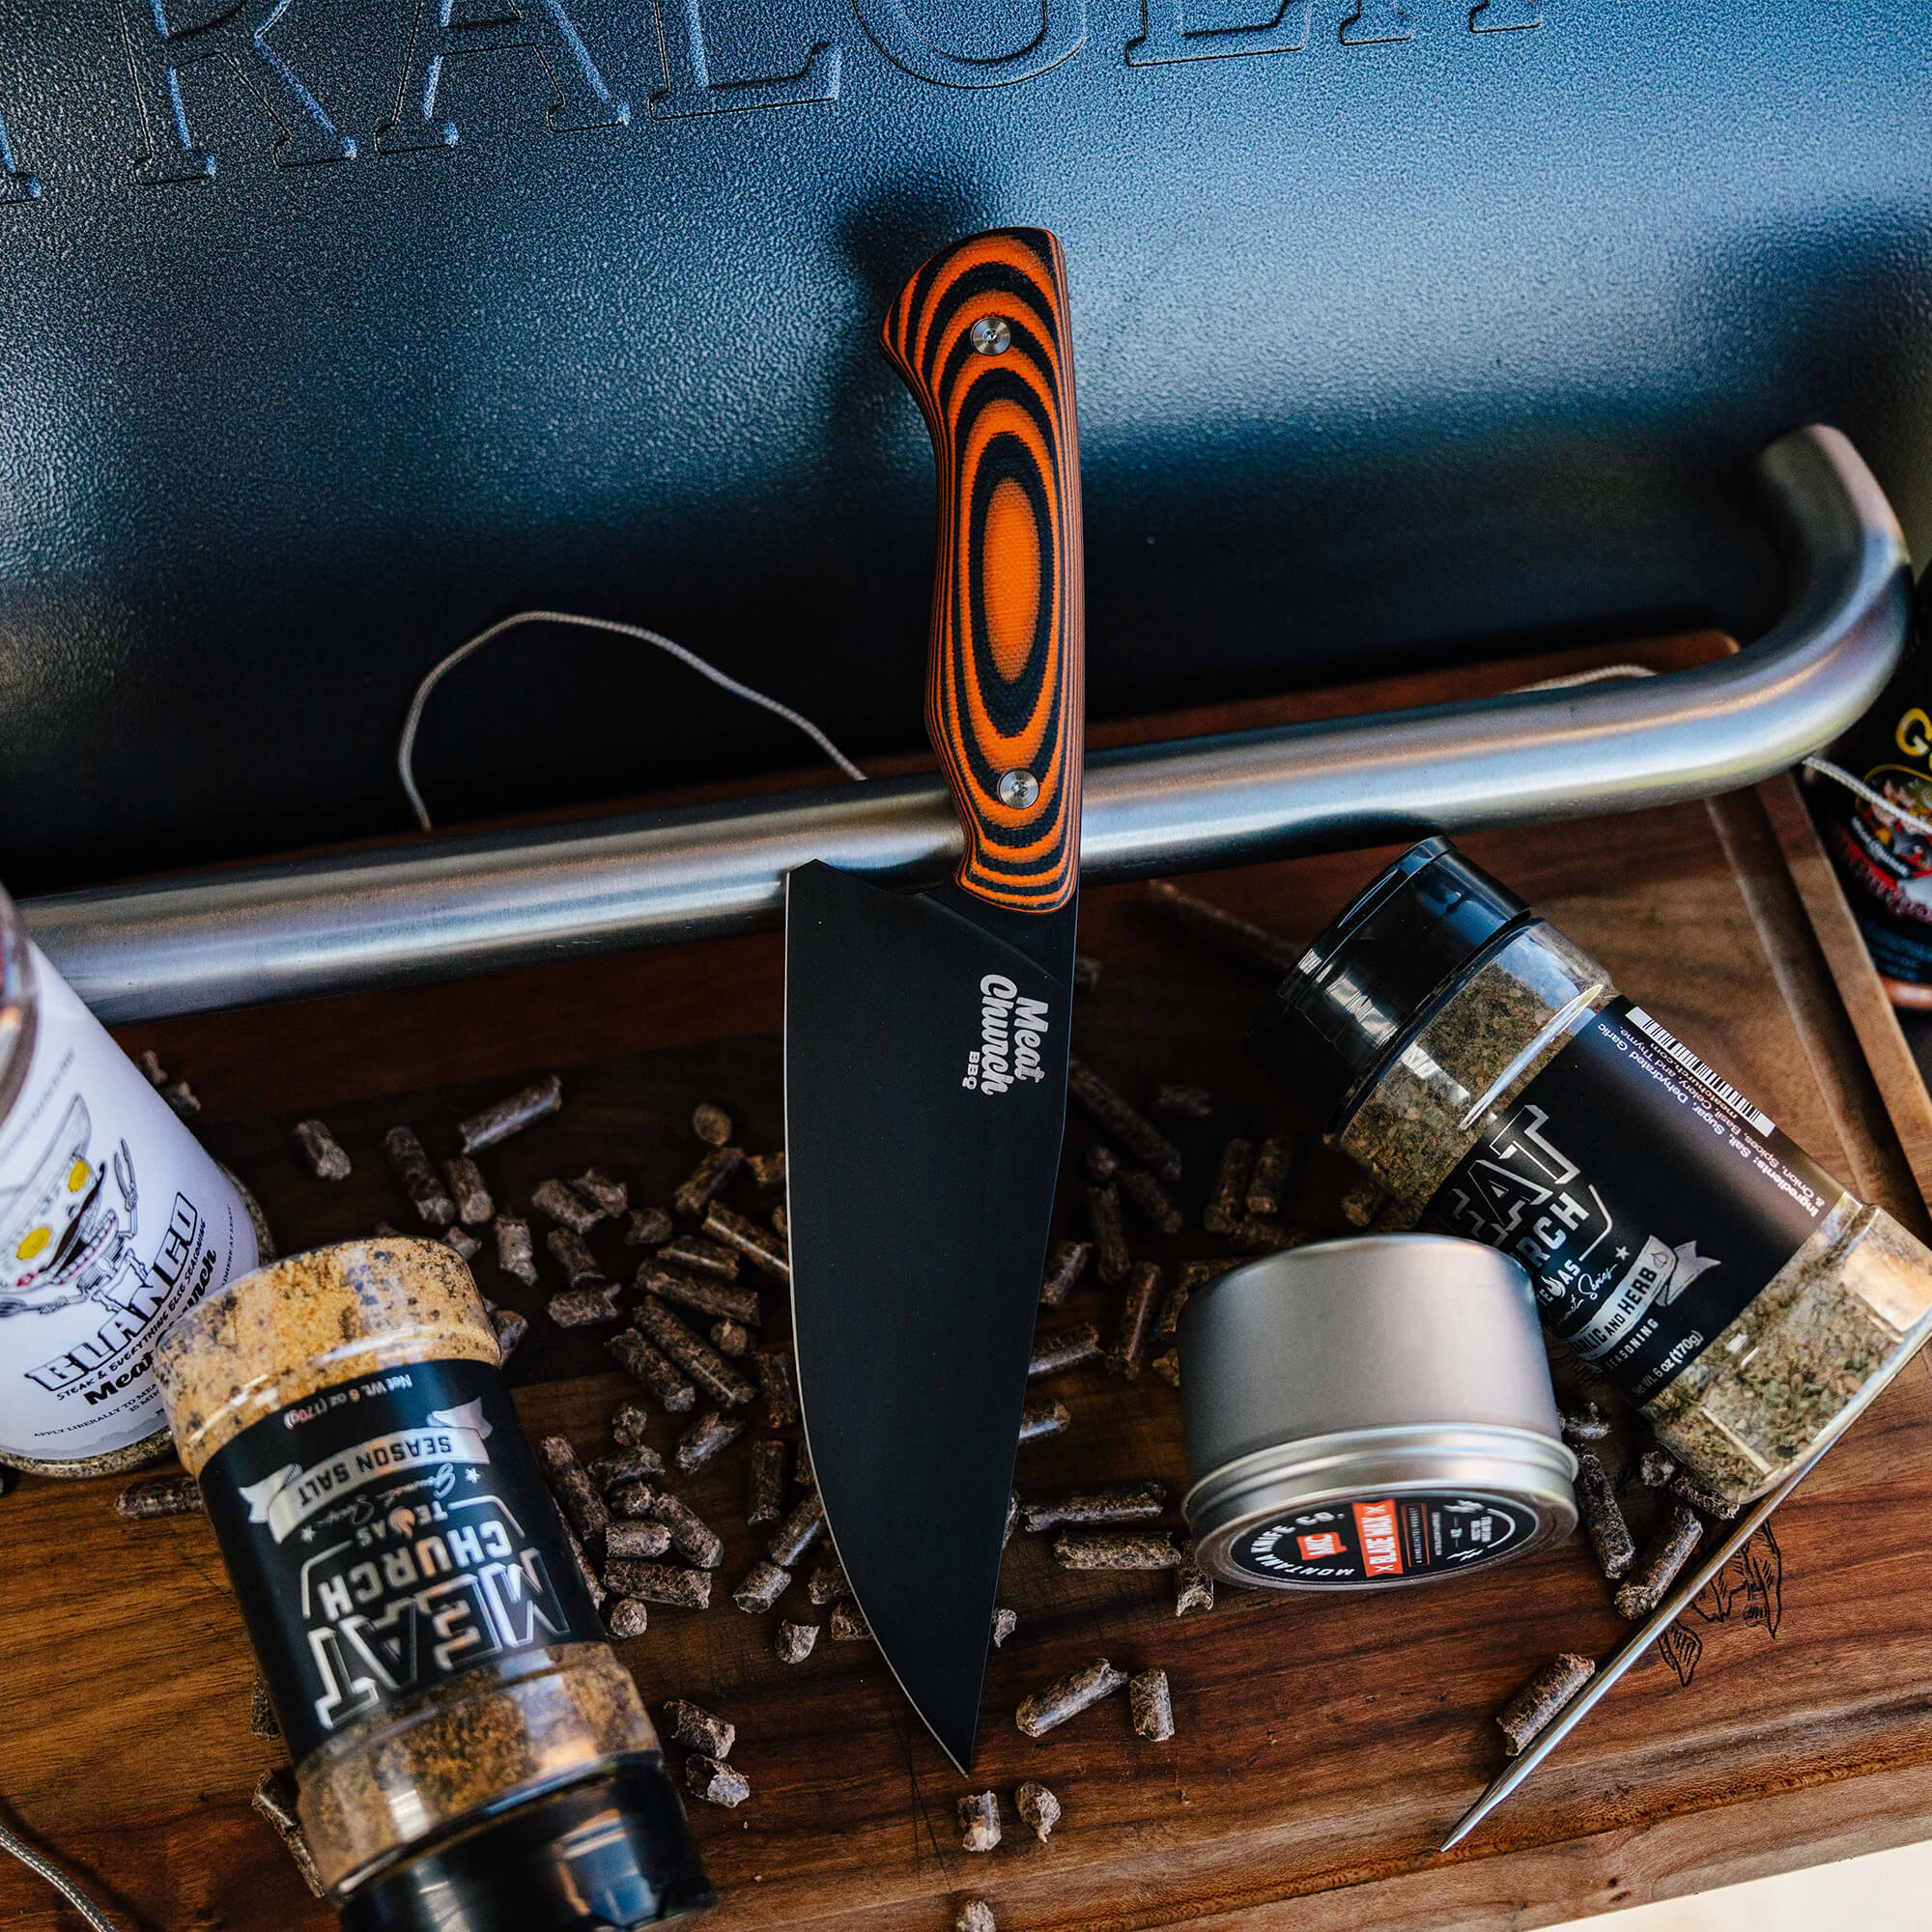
(925, 1034)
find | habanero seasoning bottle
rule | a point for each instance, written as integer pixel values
(470, 1755)
(1885, 866)
(1488, 1073)
(113, 1219)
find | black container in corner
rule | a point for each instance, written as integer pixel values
(606, 1855)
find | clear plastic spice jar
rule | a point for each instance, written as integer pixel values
(113, 1219)
(1488, 1073)
(470, 1753)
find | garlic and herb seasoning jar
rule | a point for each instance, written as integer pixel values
(1488, 1073)
(471, 1754)
(113, 1219)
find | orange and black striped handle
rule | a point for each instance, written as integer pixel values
(981, 336)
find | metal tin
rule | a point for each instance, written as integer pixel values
(1370, 1413)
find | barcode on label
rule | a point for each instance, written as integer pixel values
(1699, 1072)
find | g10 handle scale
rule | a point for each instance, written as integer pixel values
(981, 335)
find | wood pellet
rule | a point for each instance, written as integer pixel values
(1702, 1498)
(1004, 1623)
(797, 1532)
(1541, 1698)
(1122, 1121)
(782, 1225)
(1064, 1267)
(578, 1264)
(767, 1170)
(1586, 1423)
(1046, 1709)
(827, 1583)
(712, 1433)
(731, 1339)
(1267, 1179)
(696, 1729)
(1060, 1349)
(1086, 973)
(714, 1783)
(462, 1240)
(1109, 1229)
(695, 1539)
(275, 1799)
(708, 1179)
(420, 1179)
(979, 1821)
(1038, 1806)
(1167, 1366)
(1152, 1705)
(648, 1228)
(581, 1307)
(1257, 1234)
(764, 1584)
(1193, 1587)
(511, 1116)
(514, 1253)
(670, 1583)
(711, 1124)
(1224, 931)
(592, 1581)
(630, 1465)
(1117, 1502)
(469, 1190)
(1225, 1199)
(1656, 1570)
(1101, 1162)
(1656, 1467)
(626, 1617)
(262, 1719)
(1362, 1202)
(511, 1328)
(847, 1625)
(564, 1205)
(1115, 1549)
(1148, 1195)
(1043, 1418)
(636, 1542)
(1602, 1517)
(1138, 1307)
(794, 1641)
(324, 1153)
(577, 1496)
(718, 1298)
(768, 1483)
(695, 1254)
(1194, 1103)
(975, 1915)
(654, 1371)
(632, 1499)
(762, 1247)
(695, 1356)
(773, 1368)
(630, 1426)
(155, 1496)
(608, 1195)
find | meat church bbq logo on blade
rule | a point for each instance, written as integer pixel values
(1011, 1026)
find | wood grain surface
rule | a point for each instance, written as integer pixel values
(983, 338)
(1323, 1744)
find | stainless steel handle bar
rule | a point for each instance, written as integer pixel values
(473, 904)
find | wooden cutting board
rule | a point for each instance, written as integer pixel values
(1324, 1746)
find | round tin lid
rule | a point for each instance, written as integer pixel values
(1370, 1412)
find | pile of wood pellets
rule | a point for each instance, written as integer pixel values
(689, 1330)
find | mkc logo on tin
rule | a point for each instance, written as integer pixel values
(1010, 1029)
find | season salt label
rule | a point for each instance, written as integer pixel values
(1382, 1539)
(1649, 1198)
(386, 1535)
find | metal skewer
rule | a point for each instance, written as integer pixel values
(1660, 1619)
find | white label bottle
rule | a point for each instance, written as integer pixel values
(113, 1219)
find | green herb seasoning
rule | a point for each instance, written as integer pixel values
(1488, 1073)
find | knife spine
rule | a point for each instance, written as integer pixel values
(1005, 669)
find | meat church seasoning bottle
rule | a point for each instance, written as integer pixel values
(470, 1753)
(113, 1219)
(1490, 1076)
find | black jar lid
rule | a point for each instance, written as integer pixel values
(603, 1856)
(1375, 970)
